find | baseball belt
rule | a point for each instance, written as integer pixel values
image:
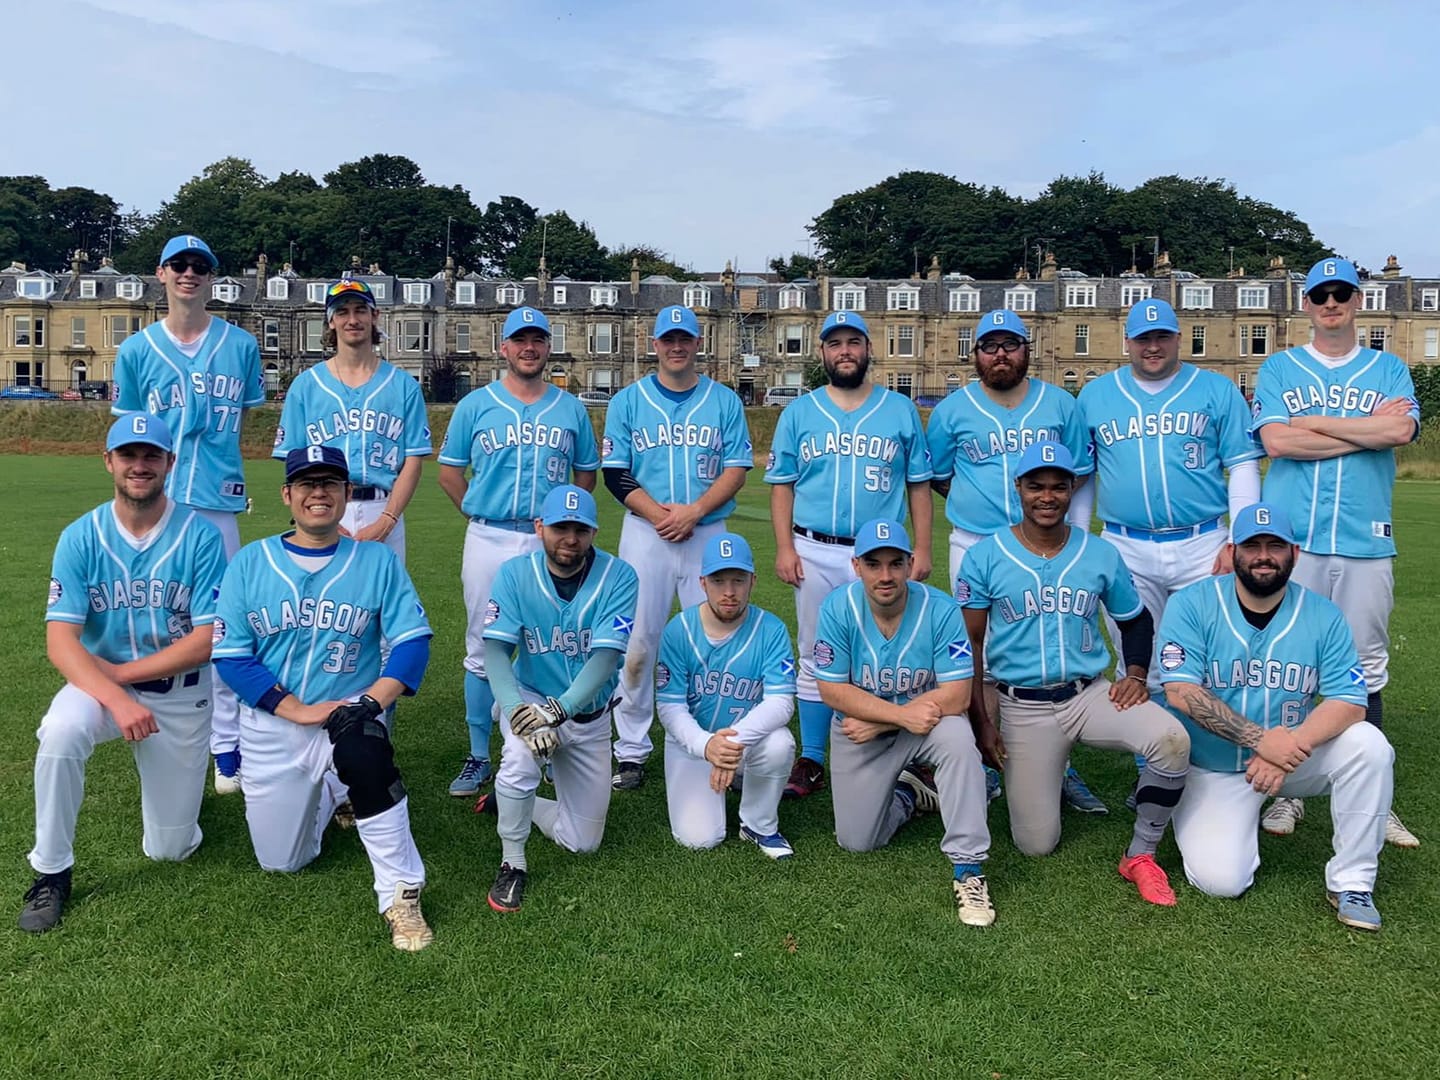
(364, 493)
(1164, 536)
(1053, 694)
(520, 525)
(165, 685)
(824, 538)
(595, 714)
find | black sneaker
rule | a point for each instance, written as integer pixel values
(509, 889)
(44, 901)
(629, 776)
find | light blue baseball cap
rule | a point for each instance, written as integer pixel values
(1332, 269)
(180, 245)
(1150, 315)
(569, 503)
(843, 320)
(524, 318)
(142, 428)
(726, 551)
(881, 533)
(676, 317)
(1261, 519)
(1045, 455)
(994, 322)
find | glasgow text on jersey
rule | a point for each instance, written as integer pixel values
(1256, 673)
(848, 444)
(1350, 399)
(1053, 599)
(896, 682)
(1009, 441)
(1150, 425)
(310, 613)
(526, 433)
(661, 435)
(726, 684)
(570, 643)
(342, 422)
(213, 384)
(139, 593)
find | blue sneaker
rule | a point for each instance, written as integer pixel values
(992, 784)
(774, 846)
(1355, 909)
(227, 772)
(1078, 796)
(474, 775)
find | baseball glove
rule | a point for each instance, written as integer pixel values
(344, 717)
(536, 725)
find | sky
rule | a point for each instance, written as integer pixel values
(719, 132)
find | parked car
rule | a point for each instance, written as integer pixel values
(927, 401)
(27, 393)
(780, 396)
(71, 394)
(594, 399)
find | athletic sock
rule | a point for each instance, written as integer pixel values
(963, 868)
(479, 705)
(1155, 797)
(1375, 710)
(514, 810)
(815, 719)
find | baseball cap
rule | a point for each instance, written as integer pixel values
(305, 459)
(139, 427)
(524, 318)
(843, 320)
(1332, 269)
(1261, 519)
(347, 289)
(569, 503)
(1045, 455)
(726, 551)
(993, 322)
(178, 245)
(676, 317)
(881, 533)
(1149, 315)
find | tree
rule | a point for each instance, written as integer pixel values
(1075, 216)
(378, 172)
(570, 248)
(652, 261)
(797, 266)
(503, 225)
(208, 205)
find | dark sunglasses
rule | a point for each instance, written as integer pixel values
(990, 348)
(1341, 291)
(200, 266)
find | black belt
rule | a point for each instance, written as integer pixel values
(367, 492)
(165, 685)
(1053, 694)
(595, 714)
(824, 538)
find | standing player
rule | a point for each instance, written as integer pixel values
(976, 436)
(198, 374)
(298, 637)
(894, 662)
(1243, 658)
(132, 597)
(676, 451)
(725, 684)
(1037, 588)
(520, 438)
(845, 454)
(558, 625)
(368, 409)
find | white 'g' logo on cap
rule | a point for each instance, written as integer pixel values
(882, 531)
(840, 318)
(1047, 454)
(1262, 516)
(676, 315)
(1152, 313)
(998, 318)
(139, 425)
(1329, 269)
(527, 315)
(572, 500)
(315, 454)
(727, 549)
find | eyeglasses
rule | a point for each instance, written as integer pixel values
(990, 348)
(347, 286)
(1342, 292)
(200, 267)
(319, 483)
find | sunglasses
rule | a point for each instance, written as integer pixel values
(1342, 292)
(342, 288)
(990, 348)
(200, 267)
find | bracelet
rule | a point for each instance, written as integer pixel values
(1137, 678)
(392, 517)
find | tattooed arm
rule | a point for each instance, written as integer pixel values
(1277, 745)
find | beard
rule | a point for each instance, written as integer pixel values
(1264, 588)
(848, 382)
(1004, 380)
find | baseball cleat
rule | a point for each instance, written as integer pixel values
(1355, 908)
(1148, 878)
(1078, 796)
(992, 784)
(488, 804)
(972, 900)
(508, 892)
(409, 932)
(1283, 816)
(806, 778)
(474, 775)
(344, 816)
(920, 779)
(44, 902)
(1397, 835)
(774, 846)
(227, 772)
(1133, 798)
(629, 776)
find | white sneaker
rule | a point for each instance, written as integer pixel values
(972, 900)
(1283, 816)
(1397, 834)
(409, 932)
(226, 785)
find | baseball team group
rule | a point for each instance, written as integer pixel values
(1248, 617)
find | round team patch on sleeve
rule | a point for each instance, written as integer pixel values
(962, 591)
(1172, 655)
(662, 675)
(492, 612)
(824, 654)
(217, 632)
(770, 461)
(279, 435)
(607, 444)
(56, 591)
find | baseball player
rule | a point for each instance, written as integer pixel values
(725, 685)
(1331, 414)
(520, 437)
(132, 597)
(1036, 589)
(675, 452)
(557, 626)
(1243, 658)
(368, 409)
(848, 453)
(893, 660)
(298, 637)
(199, 374)
(976, 436)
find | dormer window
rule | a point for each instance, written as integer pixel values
(417, 292)
(510, 294)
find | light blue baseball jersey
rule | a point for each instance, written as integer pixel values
(1339, 506)
(1044, 626)
(719, 684)
(930, 647)
(976, 444)
(134, 598)
(1160, 458)
(677, 449)
(377, 425)
(1271, 676)
(517, 452)
(849, 467)
(200, 400)
(553, 637)
(318, 631)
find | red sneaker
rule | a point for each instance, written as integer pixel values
(1149, 879)
(806, 778)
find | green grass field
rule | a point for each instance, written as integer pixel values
(649, 960)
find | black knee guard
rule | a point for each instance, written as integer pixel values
(365, 762)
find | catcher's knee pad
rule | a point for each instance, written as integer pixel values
(365, 762)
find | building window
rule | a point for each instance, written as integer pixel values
(315, 292)
(1072, 380)
(561, 292)
(510, 294)
(1378, 337)
(29, 332)
(1430, 299)
(227, 292)
(1252, 297)
(314, 335)
(1079, 296)
(36, 288)
(1374, 298)
(277, 288)
(849, 298)
(1254, 340)
(902, 298)
(1299, 296)
(603, 339)
(1197, 297)
(128, 290)
(1197, 341)
(417, 292)
(902, 382)
(1243, 379)
(414, 335)
(707, 340)
(270, 335)
(604, 296)
(902, 340)
(77, 331)
(1021, 299)
(965, 340)
(379, 289)
(965, 298)
(791, 341)
(121, 327)
(697, 296)
(29, 374)
(1432, 343)
(462, 337)
(1082, 339)
(792, 299)
(558, 335)
(465, 292)
(87, 290)
(1132, 294)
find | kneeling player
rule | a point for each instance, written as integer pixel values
(893, 660)
(297, 636)
(725, 684)
(556, 628)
